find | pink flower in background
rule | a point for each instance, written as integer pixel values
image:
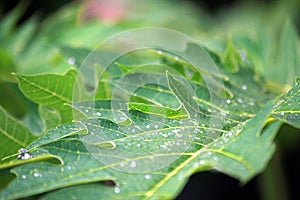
(110, 11)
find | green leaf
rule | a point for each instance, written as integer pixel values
(90, 191)
(7, 66)
(287, 57)
(183, 95)
(107, 109)
(232, 58)
(158, 110)
(12, 100)
(13, 135)
(58, 133)
(226, 154)
(50, 117)
(50, 90)
(151, 90)
(160, 131)
(287, 108)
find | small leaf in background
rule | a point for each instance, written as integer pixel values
(232, 58)
(7, 66)
(286, 60)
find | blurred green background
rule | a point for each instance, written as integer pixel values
(215, 17)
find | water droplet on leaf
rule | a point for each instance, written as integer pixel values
(147, 176)
(117, 190)
(71, 60)
(36, 174)
(133, 164)
(23, 154)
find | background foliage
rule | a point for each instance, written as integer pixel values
(259, 56)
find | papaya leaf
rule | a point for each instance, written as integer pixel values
(50, 90)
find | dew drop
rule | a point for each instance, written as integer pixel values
(71, 60)
(133, 164)
(26, 156)
(22, 150)
(117, 190)
(229, 134)
(282, 113)
(148, 126)
(122, 164)
(23, 154)
(123, 118)
(176, 58)
(36, 174)
(164, 135)
(201, 162)
(98, 114)
(215, 158)
(228, 101)
(195, 164)
(138, 145)
(24, 176)
(147, 176)
(244, 87)
(159, 52)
